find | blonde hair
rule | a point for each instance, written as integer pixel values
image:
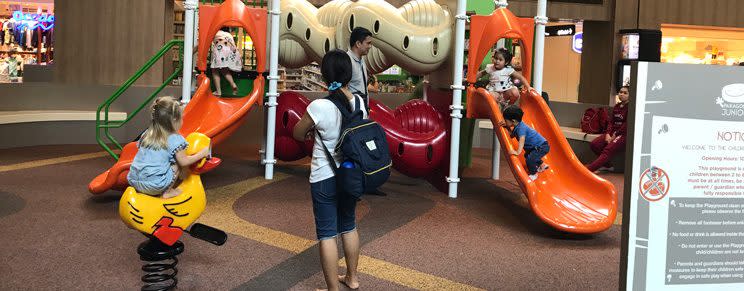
(166, 112)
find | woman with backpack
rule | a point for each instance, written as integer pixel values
(334, 210)
(613, 140)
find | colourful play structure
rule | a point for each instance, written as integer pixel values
(215, 117)
(567, 196)
(419, 37)
(420, 42)
(208, 120)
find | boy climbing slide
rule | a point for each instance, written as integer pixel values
(535, 146)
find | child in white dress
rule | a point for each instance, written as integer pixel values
(225, 58)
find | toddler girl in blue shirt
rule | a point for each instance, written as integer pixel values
(161, 157)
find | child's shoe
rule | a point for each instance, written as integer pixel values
(543, 167)
(606, 169)
(533, 177)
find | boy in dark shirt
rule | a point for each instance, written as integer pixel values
(613, 140)
(535, 146)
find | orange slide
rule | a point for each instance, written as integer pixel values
(567, 196)
(215, 117)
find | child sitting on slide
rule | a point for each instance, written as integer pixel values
(500, 78)
(535, 146)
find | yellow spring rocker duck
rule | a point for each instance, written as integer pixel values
(167, 219)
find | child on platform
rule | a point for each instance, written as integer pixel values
(500, 78)
(225, 58)
(535, 146)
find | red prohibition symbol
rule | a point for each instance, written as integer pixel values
(654, 184)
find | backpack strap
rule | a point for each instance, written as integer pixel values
(345, 114)
(341, 108)
(357, 102)
(331, 160)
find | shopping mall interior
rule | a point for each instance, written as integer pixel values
(79, 82)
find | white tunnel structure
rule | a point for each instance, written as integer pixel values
(417, 36)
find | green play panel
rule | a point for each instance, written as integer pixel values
(243, 79)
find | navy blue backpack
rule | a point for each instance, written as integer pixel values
(364, 148)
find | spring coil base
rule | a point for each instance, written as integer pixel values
(160, 264)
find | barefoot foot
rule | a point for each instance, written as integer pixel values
(350, 282)
(171, 193)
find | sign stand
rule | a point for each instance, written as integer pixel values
(683, 222)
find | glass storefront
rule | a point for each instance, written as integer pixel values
(685, 44)
(26, 38)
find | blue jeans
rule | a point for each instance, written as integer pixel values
(534, 157)
(335, 212)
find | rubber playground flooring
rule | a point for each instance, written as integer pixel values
(55, 235)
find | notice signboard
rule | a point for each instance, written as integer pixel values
(683, 225)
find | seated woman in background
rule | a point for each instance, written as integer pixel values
(613, 140)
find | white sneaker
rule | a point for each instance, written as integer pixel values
(606, 169)
(542, 168)
(533, 177)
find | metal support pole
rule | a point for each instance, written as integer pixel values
(456, 106)
(540, 20)
(188, 48)
(269, 161)
(495, 154)
(425, 84)
(264, 133)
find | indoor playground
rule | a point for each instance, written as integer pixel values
(461, 210)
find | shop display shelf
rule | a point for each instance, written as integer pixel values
(316, 83)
